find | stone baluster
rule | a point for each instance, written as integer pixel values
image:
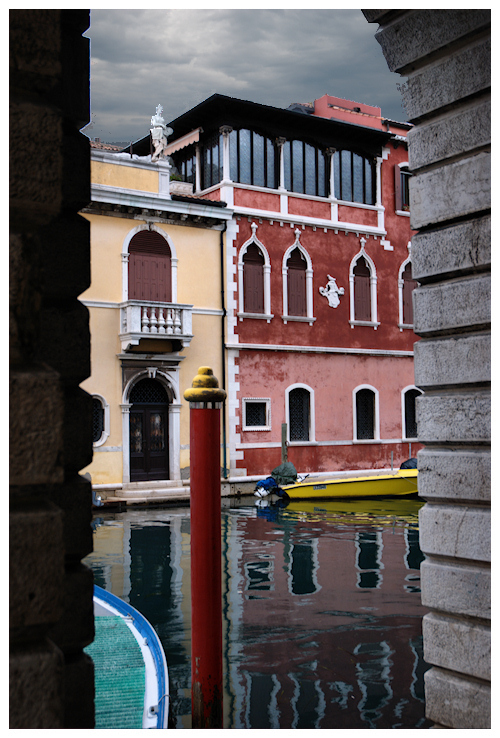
(161, 320)
(177, 321)
(153, 323)
(170, 329)
(145, 320)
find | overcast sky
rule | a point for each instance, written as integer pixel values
(178, 58)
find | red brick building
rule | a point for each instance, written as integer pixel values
(317, 283)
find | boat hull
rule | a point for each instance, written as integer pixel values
(155, 705)
(401, 483)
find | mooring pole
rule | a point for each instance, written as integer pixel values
(205, 401)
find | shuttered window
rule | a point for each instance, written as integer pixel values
(253, 280)
(297, 302)
(362, 291)
(409, 285)
(150, 273)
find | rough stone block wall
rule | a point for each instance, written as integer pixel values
(51, 613)
(445, 57)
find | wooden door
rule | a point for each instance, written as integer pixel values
(149, 440)
(148, 443)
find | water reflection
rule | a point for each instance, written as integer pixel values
(321, 608)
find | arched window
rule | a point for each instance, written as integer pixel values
(297, 301)
(300, 409)
(297, 283)
(253, 280)
(100, 420)
(366, 422)
(409, 398)
(150, 268)
(362, 300)
(406, 285)
(363, 290)
(300, 413)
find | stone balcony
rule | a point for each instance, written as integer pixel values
(141, 319)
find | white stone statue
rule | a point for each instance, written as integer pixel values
(159, 133)
(332, 292)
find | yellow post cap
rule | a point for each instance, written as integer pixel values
(205, 387)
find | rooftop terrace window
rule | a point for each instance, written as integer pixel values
(306, 169)
(354, 177)
(252, 158)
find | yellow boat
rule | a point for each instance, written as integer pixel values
(400, 483)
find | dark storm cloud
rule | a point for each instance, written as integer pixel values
(178, 58)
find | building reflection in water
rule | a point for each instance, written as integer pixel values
(321, 608)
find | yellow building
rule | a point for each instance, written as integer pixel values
(156, 306)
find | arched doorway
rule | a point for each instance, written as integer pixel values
(149, 442)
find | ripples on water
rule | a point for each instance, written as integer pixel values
(321, 608)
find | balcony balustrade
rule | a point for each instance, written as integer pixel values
(142, 319)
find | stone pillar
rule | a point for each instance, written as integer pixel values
(445, 55)
(51, 611)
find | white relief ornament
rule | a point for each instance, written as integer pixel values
(332, 292)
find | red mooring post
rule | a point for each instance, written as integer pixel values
(205, 400)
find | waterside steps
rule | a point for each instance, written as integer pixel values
(131, 674)
(134, 493)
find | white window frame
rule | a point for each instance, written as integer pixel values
(267, 426)
(312, 422)
(106, 421)
(403, 266)
(266, 315)
(309, 317)
(373, 323)
(403, 165)
(376, 420)
(403, 411)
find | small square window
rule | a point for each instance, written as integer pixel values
(256, 414)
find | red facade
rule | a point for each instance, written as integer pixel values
(318, 281)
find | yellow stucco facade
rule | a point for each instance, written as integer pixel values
(126, 201)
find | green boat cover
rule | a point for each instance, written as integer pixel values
(120, 676)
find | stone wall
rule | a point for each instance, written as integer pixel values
(445, 56)
(51, 612)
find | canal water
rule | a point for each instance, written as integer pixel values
(321, 608)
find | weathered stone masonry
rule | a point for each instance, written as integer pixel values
(51, 615)
(445, 56)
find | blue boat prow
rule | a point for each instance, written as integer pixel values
(131, 671)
